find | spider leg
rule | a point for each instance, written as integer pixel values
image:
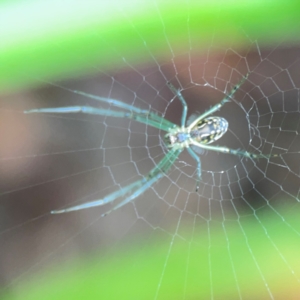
(145, 185)
(116, 103)
(155, 174)
(197, 159)
(126, 106)
(137, 188)
(143, 116)
(109, 198)
(179, 95)
(233, 151)
(220, 104)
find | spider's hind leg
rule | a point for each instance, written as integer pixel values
(237, 152)
(220, 104)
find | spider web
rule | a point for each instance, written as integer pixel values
(53, 161)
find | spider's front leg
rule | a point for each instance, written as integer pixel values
(139, 115)
(134, 190)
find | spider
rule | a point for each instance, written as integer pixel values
(194, 135)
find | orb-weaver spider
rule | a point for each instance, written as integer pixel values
(197, 133)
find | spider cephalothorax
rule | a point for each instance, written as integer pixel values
(195, 135)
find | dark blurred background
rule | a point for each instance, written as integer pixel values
(51, 161)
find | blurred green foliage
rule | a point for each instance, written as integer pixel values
(218, 259)
(47, 40)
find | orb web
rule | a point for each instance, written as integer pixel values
(53, 161)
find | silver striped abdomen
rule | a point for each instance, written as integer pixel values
(209, 130)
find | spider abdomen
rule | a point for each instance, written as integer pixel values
(208, 130)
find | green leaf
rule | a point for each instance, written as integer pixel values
(49, 40)
(216, 259)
